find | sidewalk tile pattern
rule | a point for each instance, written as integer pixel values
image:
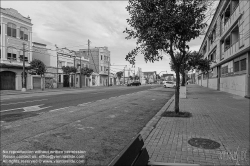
(216, 115)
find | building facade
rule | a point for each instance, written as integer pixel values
(16, 36)
(227, 43)
(99, 61)
(40, 52)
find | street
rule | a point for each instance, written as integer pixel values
(100, 122)
(14, 107)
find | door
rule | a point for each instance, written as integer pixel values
(36, 82)
(65, 80)
(7, 80)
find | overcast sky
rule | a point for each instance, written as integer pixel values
(71, 23)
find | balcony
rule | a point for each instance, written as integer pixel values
(231, 21)
(232, 50)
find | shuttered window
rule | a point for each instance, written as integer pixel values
(11, 30)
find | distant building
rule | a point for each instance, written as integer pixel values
(168, 77)
(16, 30)
(149, 77)
(99, 61)
(227, 43)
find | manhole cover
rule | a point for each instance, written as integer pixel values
(203, 143)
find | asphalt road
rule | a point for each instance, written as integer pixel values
(101, 128)
(15, 108)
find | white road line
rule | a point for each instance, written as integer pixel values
(11, 109)
(24, 102)
(83, 104)
(59, 109)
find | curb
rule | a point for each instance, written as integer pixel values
(153, 122)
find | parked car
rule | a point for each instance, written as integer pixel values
(169, 84)
(136, 83)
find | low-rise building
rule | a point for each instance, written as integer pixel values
(16, 36)
(99, 61)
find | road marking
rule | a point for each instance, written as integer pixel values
(34, 108)
(59, 109)
(11, 109)
(97, 92)
(24, 102)
(83, 104)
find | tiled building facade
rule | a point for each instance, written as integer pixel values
(16, 30)
(227, 43)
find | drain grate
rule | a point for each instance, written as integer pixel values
(203, 143)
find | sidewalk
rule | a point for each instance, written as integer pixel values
(219, 116)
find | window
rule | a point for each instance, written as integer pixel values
(235, 35)
(11, 53)
(101, 57)
(25, 58)
(236, 66)
(23, 34)
(224, 70)
(11, 30)
(243, 64)
(0, 30)
(101, 68)
(227, 43)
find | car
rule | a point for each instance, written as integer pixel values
(136, 83)
(169, 84)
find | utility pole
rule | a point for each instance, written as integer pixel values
(23, 83)
(57, 79)
(80, 71)
(108, 71)
(88, 56)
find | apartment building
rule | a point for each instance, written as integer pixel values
(227, 43)
(16, 34)
(99, 61)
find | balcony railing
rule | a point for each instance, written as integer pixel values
(231, 51)
(236, 14)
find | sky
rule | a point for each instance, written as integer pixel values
(71, 23)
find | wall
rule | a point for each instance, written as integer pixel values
(234, 85)
(212, 83)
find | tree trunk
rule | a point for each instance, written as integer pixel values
(183, 79)
(177, 91)
(42, 82)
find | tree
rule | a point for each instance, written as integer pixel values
(137, 77)
(87, 71)
(69, 69)
(131, 78)
(37, 67)
(119, 75)
(193, 60)
(164, 26)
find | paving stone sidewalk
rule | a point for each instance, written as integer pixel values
(216, 115)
